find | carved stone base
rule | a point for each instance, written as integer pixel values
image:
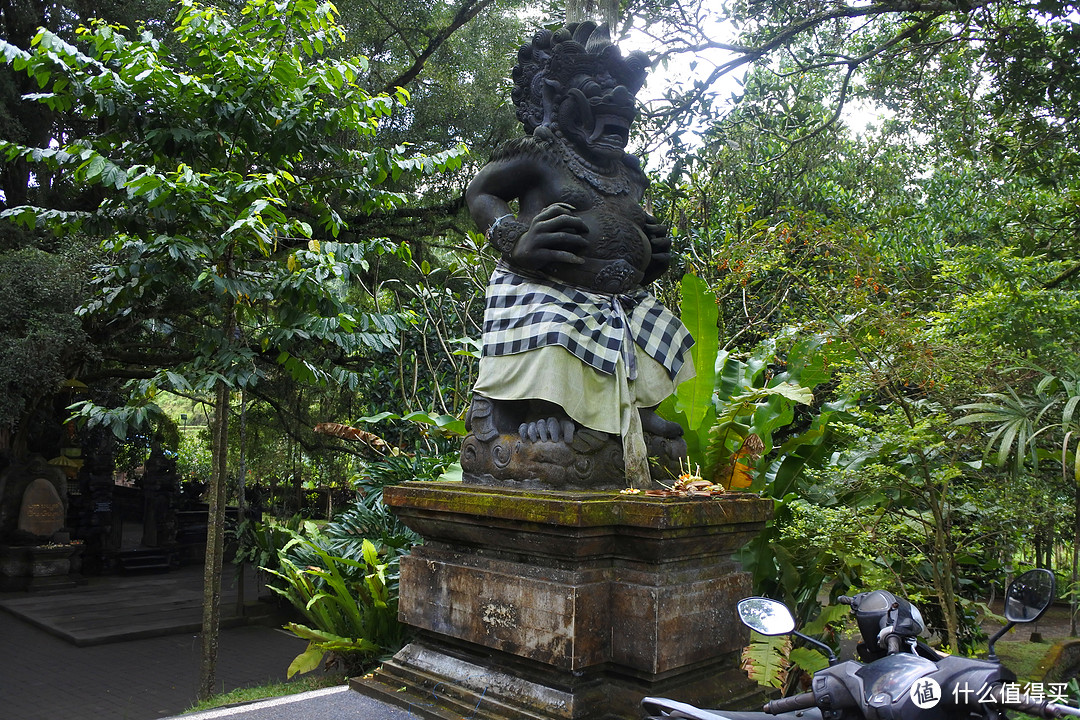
(593, 461)
(38, 567)
(561, 605)
(438, 680)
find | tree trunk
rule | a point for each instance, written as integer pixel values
(1076, 528)
(1048, 544)
(215, 542)
(241, 502)
(1075, 558)
(298, 491)
(942, 566)
(943, 582)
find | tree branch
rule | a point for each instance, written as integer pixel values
(784, 36)
(1067, 275)
(292, 424)
(468, 10)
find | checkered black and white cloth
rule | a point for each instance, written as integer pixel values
(526, 313)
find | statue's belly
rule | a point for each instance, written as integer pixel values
(619, 250)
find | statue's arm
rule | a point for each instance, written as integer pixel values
(488, 197)
(534, 238)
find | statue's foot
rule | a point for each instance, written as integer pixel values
(487, 418)
(653, 424)
(535, 444)
(480, 420)
(549, 454)
(548, 430)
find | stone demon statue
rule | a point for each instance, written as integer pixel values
(576, 353)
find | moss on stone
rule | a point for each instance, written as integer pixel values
(580, 508)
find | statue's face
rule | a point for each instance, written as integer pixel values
(596, 116)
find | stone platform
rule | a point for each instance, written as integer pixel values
(115, 608)
(568, 605)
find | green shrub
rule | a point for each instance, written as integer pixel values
(350, 605)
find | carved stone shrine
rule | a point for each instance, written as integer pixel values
(35, 549)
(42, 511)
(568, 605)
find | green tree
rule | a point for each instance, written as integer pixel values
(1024, 50)
(39, 334)
(450, 55)
(221, 154)
(929, 267)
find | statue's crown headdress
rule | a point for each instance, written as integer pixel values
(547, 64)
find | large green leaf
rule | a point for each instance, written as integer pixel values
(1015, 429)
(449, 423)
(828, 615)
(809, 360)
(808, 659)
(756, 411)
(795, 454)
(697, 439)
(732, 377)
(699, 314)
(306, 661)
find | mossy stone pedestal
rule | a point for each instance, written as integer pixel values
(567, 605)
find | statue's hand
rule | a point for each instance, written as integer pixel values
(660, 245)
(555, 235)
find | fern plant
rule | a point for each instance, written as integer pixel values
(766, 660)
(769, 661)
(350, 605)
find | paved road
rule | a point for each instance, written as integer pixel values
(45, 678)
(339, 703)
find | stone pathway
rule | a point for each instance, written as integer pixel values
(44, 677)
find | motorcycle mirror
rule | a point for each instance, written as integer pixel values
(1026, 600)
(766, 616)
(1029, 596)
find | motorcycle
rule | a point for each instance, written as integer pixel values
(897, 676)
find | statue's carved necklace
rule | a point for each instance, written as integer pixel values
(610, 182)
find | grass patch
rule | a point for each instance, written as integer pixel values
(1024, 657)
(262, 692)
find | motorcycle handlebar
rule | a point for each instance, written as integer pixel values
(1062, 710)
(845, 600)
(1032, 706)
(802, 701)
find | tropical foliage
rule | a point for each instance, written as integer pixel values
(883, 310)
(350, 606)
